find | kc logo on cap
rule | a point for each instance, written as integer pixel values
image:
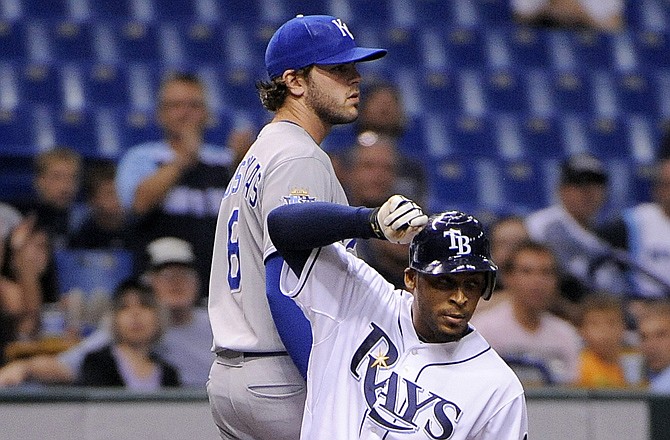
(314, 39)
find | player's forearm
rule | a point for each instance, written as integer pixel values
(151, 192)
(310, 225)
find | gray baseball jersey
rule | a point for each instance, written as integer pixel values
(284, 165)
(370, 377)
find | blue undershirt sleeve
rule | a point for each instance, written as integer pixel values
(292, 325)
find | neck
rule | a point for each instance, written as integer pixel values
(180, 316)
(526, 317)
(306, 119)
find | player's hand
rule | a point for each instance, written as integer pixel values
(400, 219)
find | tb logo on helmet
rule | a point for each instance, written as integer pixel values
(458, 241)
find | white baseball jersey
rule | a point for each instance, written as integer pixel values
(370, 377)
(284, 165)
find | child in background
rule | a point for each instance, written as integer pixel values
(603, 331)
(129, 361)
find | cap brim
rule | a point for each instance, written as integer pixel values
(354, 55)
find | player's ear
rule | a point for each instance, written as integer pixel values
(295, 82)
(410, 279)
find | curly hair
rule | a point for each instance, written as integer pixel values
(273, 93)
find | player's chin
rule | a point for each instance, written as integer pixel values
(453, 326)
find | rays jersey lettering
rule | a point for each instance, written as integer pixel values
(247, 177)
(396, 403)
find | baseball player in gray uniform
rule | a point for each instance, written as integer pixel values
(256, 389)
(394, 364)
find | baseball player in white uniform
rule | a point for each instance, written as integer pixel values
(393, 364)
(255, 389)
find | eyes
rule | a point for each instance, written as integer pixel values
(469, 284)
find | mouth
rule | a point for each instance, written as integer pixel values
(454, 319)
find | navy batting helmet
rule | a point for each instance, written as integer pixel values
(453, 242)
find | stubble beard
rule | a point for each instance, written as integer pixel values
(325, 107)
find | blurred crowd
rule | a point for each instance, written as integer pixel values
(581, 300)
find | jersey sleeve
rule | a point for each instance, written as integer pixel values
(298, 180)
(334, 284)
(133, 168)
(509, 423)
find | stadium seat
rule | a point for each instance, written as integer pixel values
(571, 91)
(592, 49)
(45, 9)
(636, 93)
(505, 90)
(41, 83)
(540, 136)
(138, 41)
(77, 128)
(106, 85)
(652, 48)
(16, 132)
(71, 41)
(115, 10)
(402, 44)
(449, 134)
(525, 184)
(527, 46)
(12, 41)
(203, 42)
(440, 90)
(453, 183)
(465, 47)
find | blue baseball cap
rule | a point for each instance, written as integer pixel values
(314, 39)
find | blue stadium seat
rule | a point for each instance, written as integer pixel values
(77, 128)
(453, 183)
(219, 126)
(117, 9)
(541, 136)
(527, 46)
(402, 45)
(440, 90)
(92, 270)
(106, 84)
(652, 49)
(465, 47)
(636, 93)
(71, 41)
(138, 41)
(238, 86)
(41, 83)
(138, 126)
(449, 134)
(528, 184)
(170, 10)
(505, 90)
(16, 132)
(203, 42)
(592, 49)
(434, 12)
(12, 41)
(46, 9)
(571, 91)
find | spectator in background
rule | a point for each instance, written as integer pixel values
(654, 331)
(10, 217)
(521, 328)
(173, 187)
(130, 360)
(105, 227)
(185, 345)
(371, 177)
(56, 183)
(382, 112)
(505, 234)
(643, 232)
(590, 14)
(568, 228)
(603, 330)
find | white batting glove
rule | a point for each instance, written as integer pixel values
(398, 220)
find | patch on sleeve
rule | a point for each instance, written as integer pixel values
(298, 195)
